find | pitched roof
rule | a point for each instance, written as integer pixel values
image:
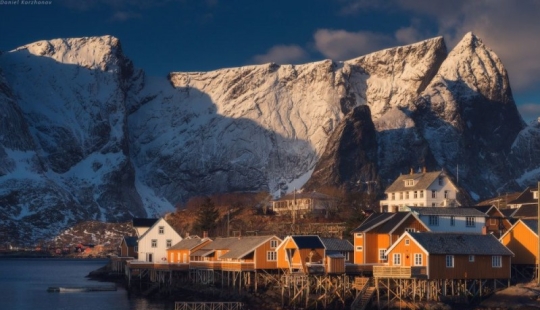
(188, 243)
(245, 245)
(421, 181)
(526, 197)
(308, 242)
(526, 211)
(501, 200)
(508, 212)
(143, 222)
(336, 244)
(459, 211)
(460, 243)
(130, 241)
(373, 220)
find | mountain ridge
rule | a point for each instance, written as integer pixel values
(86, 135)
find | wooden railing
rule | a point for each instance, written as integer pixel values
(399, 272)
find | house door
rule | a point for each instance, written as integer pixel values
(185, 258)
(150, 257)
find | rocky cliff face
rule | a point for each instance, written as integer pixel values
(85, 135)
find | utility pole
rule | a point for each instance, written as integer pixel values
(538, 234)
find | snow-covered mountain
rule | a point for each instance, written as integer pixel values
(85, 135)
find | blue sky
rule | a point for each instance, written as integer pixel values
(161, 36)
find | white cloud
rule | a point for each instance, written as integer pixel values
(282, 54)
(122, 16)
(344, 45)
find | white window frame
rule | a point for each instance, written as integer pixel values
(470, 221)
(418, 259)
(154, 243)
(449, 261)
(410, 229)
(359, 235)
(471, 258)
(407, 242)
(271, 256)
(433, 194)
(161, 230)
(273, 244)
(382, 255)
(359, 248)
(421, 194)
(493, 221)
(169, 243)
(496, 261)
(396, 259)
(409, 182)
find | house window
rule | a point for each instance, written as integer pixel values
(400, 195)
(271, 256)
(535, 194)
(470, 221)
(418, 259)
(406, 195)
(446, 195)
(346, 255)
(169, 243)
(393, 196)
(496, 261)
(397, 259)
(407, 241)
(492, 221)
(452, 220)
(449, 261)
(440, 180)
(433, 204)
(433, 194)
(415, 194)
(433, 220)
(382, 255)
(359, 249)
(359, 235)
(273, 243)
(409, 229)
(471, 258)
(154, 243)
(136, 249)
(421, 194)
(161, 230)
(409, 182)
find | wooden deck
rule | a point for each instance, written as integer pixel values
(399, 272)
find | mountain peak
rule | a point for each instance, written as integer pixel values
(90, 52)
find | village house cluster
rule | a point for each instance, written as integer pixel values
(420, 233)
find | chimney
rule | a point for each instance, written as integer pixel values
(424, 169)
(187, 235)
(412, 171)
(205, 234)
(484, 230)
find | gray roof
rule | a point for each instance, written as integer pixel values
(245, 245)
(336, 244)
(384, 222)
(188, 244)
(447, 211)
(526, 211)
(460, 244)
(422, 181)
(308, 242)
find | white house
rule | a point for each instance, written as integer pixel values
(153, 244)
(424, 189)
(455, 220)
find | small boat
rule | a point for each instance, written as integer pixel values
(77, 289)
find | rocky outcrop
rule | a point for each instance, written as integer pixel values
(350, 156)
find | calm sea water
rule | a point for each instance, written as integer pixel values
(24, 283)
